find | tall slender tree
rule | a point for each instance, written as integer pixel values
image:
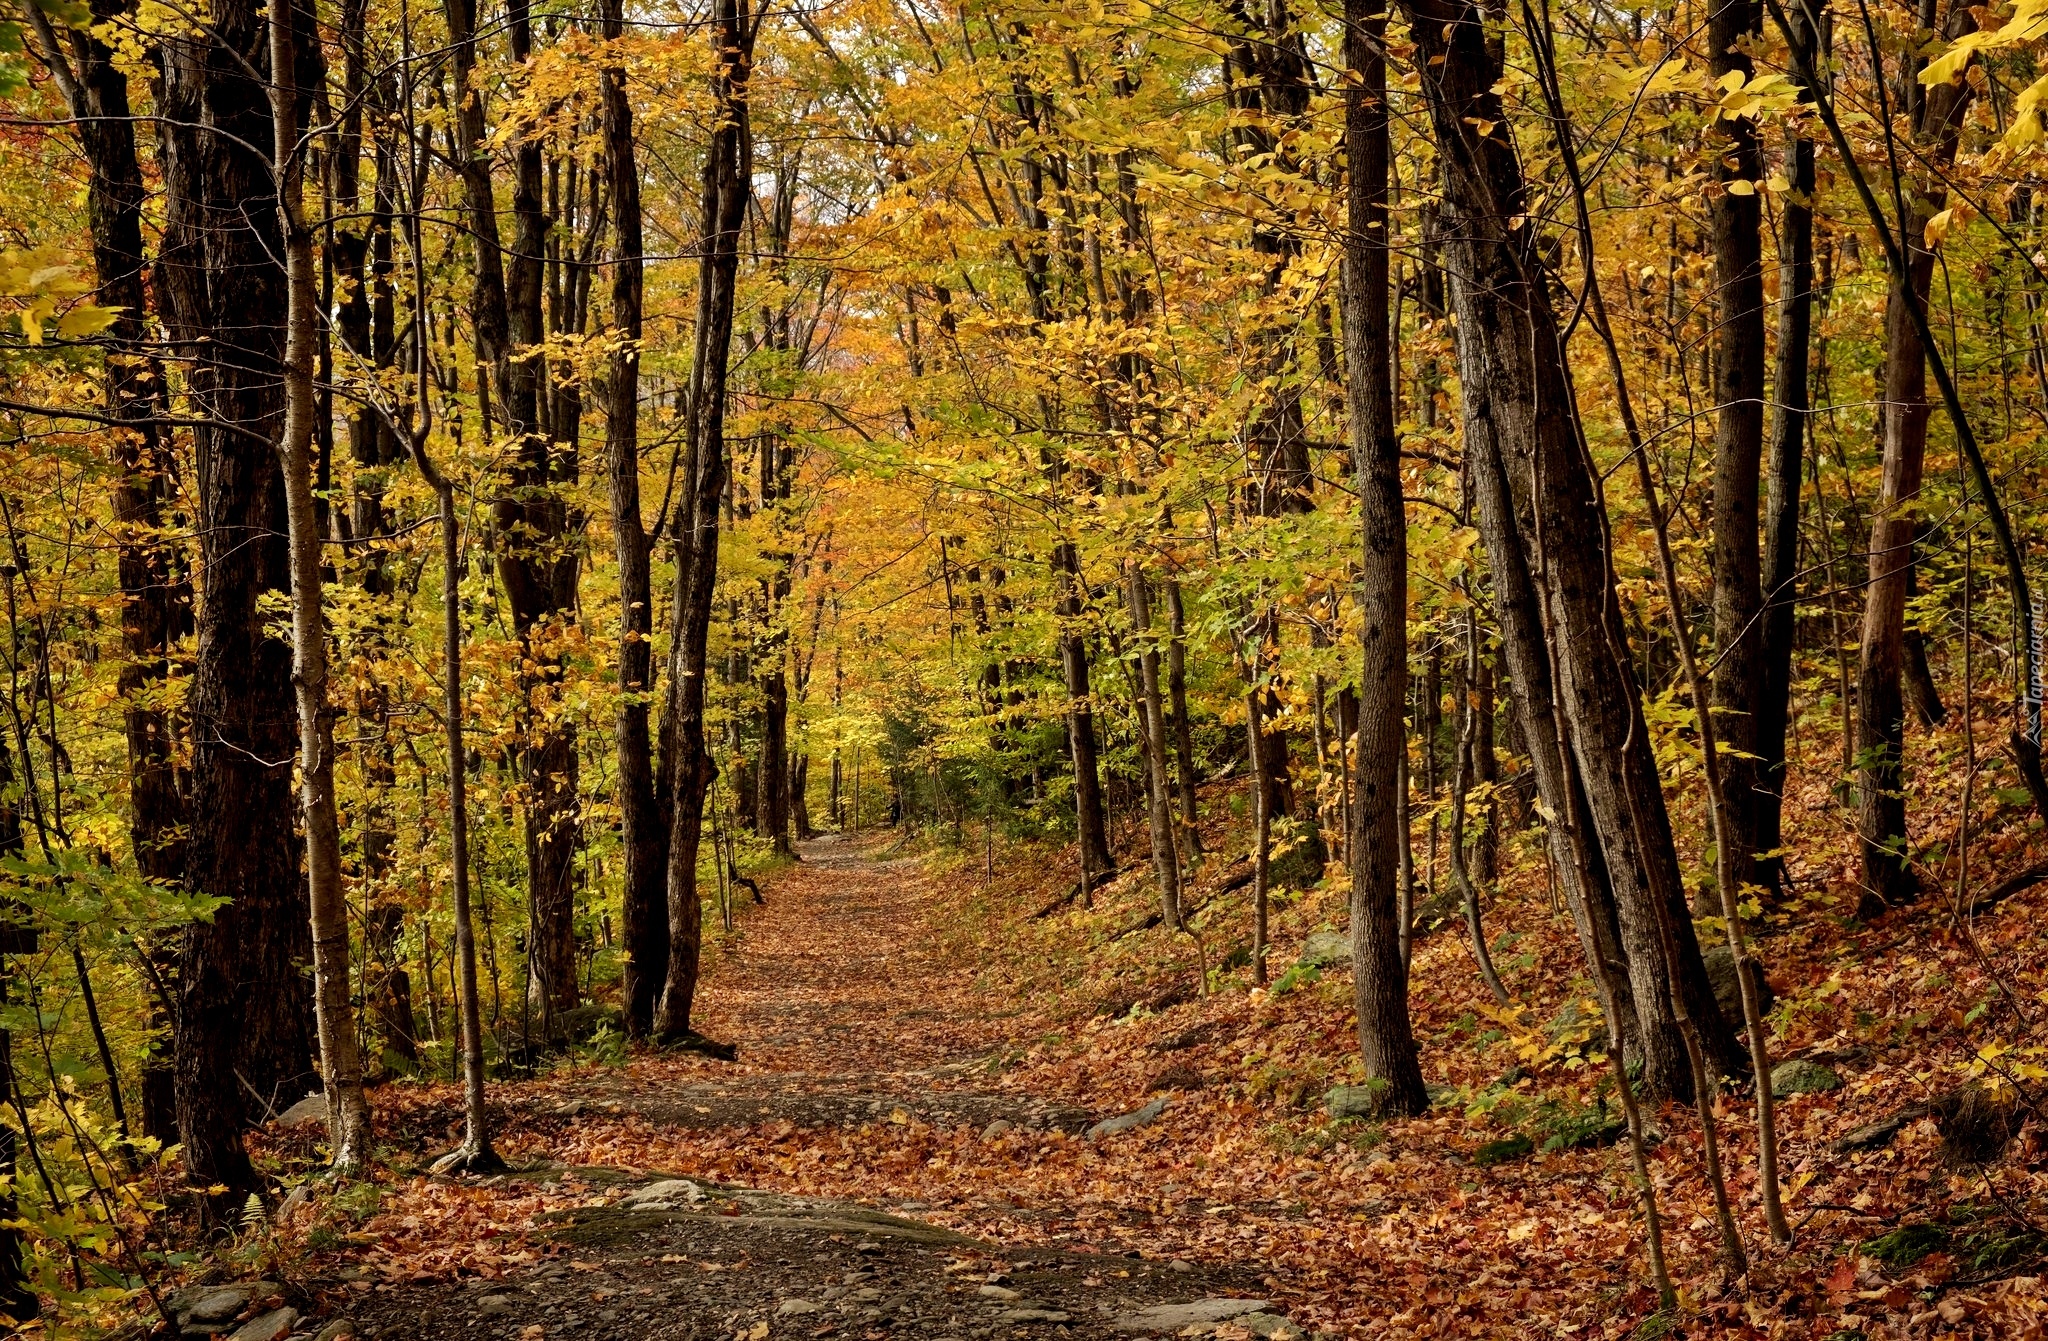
(1379, 977)
(644, 829)
(1936, 116)
(727, 188)
(1544, 525)
(1739, 356)
(245, 1041)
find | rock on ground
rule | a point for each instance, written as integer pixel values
(670, 1194)
(1720, 962)
(1325, 949)
(272, 1326)
(311, 1109)
(1195, 1313)
(1800, 1076)
(1136, 1118)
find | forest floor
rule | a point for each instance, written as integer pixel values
(903, 1148)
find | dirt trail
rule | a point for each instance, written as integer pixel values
(849, 1015)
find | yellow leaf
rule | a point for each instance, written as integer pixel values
(1945, 67)
(1937, 227)
(1739, 187)
(84, 320)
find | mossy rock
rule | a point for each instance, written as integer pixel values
(1800, 1076)
(1325, 949)
(1352, 1101)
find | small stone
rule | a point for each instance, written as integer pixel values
(1185, 1268)
(1273, 1326)
(1351, 1101)
(670, 1194)
(996, 1130)
(337, 1329)
(1196, 1313)
(1050, 1315)
(311, 1109)
(493, 1304)
(1800, 1076)
(272, 1326)
(795, 1308)
(1325, 949)
(217, 1305)
(1720, 965)
(867, 1295)
(996, 1292)
(1136, 1118)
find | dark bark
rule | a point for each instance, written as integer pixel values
(774, 795)
(1268, 85)
(1738, 436)
(1152, 746)
(1791, 408)
(1089, 817)
(156, 587)
(1379, 977)
(538, 559)
(391, 985)
(1881, 717)
(1485, 771)
(644, 829)
(1183, 732)
(1543, 522)
(18, 1299)
(245, 1040)
(799, 797)
(772, 657)
(727, 187)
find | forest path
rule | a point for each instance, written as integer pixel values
(847, 1009)
(678, 1197)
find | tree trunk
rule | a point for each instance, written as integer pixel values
(1738, 439)
(1152, 745)
(245, 1041)
(341, 1063)
(727, 188)
(774, 683)
(1538, 500)
(799, 797)
(18, 1299)
(1791, 405)
(156, 590)
(1090, 821)
(1183, 732)
(538, 562)
(1461, 783)
(1880, 718)
(644, 831)
(1485, 771)
(391, 996)
(1379, 976)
